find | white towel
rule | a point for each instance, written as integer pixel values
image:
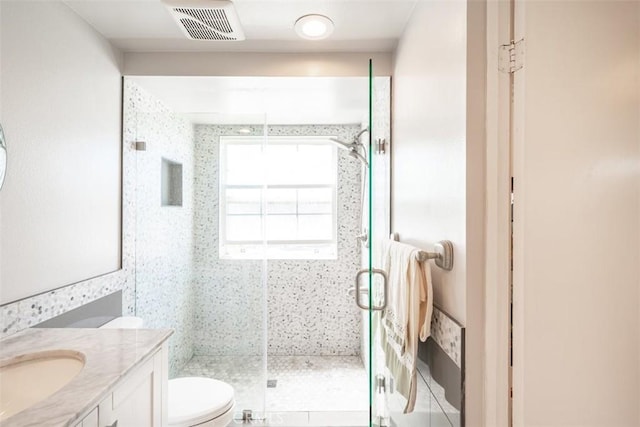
(407, 317)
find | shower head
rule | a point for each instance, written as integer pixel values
(354, 144)
(353, 147)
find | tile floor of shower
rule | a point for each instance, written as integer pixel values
(302, 383)
(308, 390)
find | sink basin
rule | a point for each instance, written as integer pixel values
(29, 378)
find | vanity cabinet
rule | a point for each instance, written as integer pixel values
(90, 420)
(138, 400)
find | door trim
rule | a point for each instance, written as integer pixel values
(498, 229)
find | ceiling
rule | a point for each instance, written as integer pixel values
(360, 26)
(255, 100)
(147, 26)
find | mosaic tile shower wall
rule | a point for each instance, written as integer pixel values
(164, 234)
(309, 311)
(447, 333)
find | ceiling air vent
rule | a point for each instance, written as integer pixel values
(206, 19)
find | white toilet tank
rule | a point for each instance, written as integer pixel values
(124, 322)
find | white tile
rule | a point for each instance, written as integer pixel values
(339, 419)
(304, 383)
(287, 419)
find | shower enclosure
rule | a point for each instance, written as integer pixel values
(251, 229)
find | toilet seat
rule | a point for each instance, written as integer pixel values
(194, 400)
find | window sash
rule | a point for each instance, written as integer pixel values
(261, 145)
(278, 242)
(264, 201)
(224, 142)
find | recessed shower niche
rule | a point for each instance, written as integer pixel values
(171, 183)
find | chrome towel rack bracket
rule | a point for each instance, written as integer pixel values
(442, 253)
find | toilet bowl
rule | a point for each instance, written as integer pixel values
(192, 401)
(200, 401)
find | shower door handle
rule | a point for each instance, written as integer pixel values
(358, 292)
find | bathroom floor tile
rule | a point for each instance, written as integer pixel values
(317, 383)
(303, 383)
(314, 390)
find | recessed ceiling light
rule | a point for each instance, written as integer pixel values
(314, 27)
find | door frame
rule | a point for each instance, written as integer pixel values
(497, 375)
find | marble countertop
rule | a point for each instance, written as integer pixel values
(110, 355)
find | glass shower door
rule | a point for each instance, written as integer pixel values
(231, 282)
(373, 278)
(438, 381)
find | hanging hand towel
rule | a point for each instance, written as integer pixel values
(407, 317)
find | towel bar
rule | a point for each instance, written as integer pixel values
(443, 253)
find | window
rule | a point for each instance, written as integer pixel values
(282, 193)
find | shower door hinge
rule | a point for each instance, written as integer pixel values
(511, 57)
(381, 146)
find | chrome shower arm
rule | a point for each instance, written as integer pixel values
(356, 138)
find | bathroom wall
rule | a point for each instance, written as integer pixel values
(61, 79)
(309, 311)
(300, 64)
(429, 163)
(164, 234)
(438, 161)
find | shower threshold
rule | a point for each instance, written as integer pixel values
(311, 419)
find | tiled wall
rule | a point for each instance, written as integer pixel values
(164, 234)
(448, 334)
(28, 312)
(308, 309)
(440, 378)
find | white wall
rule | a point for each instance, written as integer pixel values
(429, 122)
(255, 64)
(577, 211)
(438, 160)
(61, 112)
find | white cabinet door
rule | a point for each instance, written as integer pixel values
(90, 420)
(138, 401)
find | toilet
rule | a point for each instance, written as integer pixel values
(192, 401)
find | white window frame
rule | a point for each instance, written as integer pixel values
(276, 249)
